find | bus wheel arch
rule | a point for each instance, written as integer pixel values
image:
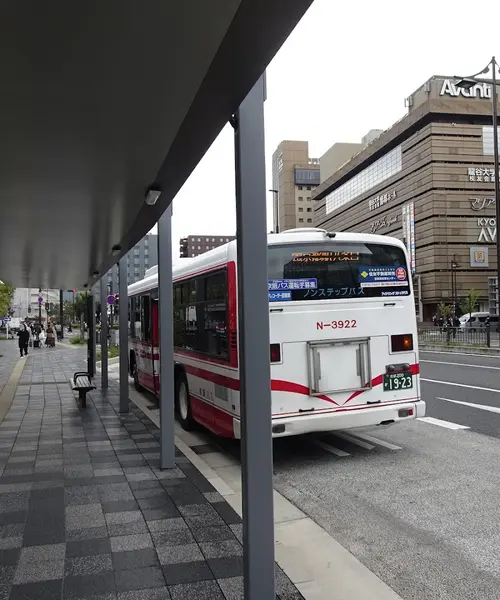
(182, 399)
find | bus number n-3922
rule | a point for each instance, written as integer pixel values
(342, 324)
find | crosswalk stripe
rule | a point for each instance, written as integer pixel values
(353, 440)
(377, 442)
(441, 423)
(329, 448)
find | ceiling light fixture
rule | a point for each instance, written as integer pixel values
(115, 250)
(152, 196)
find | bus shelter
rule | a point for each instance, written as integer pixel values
(106, 109)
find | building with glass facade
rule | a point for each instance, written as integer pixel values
(429, 181)
(142, 257)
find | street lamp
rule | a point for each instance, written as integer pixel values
(276, 210)
(467, 83)
(454, 266)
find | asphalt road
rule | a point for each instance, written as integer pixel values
(418, 503)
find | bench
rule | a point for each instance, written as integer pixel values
(81, 383)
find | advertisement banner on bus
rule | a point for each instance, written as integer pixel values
(383, 276)
(292, 284)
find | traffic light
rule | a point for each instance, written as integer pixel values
(184, 248)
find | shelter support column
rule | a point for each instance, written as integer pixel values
(104, 332)
(123, 333)
(253, 312)
(166, 340)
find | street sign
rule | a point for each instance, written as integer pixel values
(40, 300)
(110, 299)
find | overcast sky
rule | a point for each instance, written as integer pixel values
(344, 70)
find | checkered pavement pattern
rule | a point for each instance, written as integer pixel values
(85, 511)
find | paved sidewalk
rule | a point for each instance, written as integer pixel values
(85, 511)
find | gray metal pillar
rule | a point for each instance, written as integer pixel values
(104, 332)
(123, 331)
(255, 377)
(165, 319)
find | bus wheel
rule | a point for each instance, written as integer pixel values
(183, 403)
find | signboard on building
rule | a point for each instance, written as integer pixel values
(383, 223)
(380, 200)
(480, 90)
(481, 174)
(478, 204)
(479, 256)
(487, 229)
(408, 211)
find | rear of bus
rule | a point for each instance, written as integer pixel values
(343, 332)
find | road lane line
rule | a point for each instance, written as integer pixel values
(353, 440)
(329, 448)
(458, 353)
(441, 423)
(472, 387)
(440, 362)
(376, 441)
(494, 409)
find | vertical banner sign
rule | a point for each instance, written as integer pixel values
(412, 237)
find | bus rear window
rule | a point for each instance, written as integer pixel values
(336, 271)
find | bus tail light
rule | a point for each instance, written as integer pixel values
(275, 353)
(402, 342)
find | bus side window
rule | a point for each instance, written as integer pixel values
(146, 318)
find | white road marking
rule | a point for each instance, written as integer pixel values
(446, 424)
(493, 409)
(440, 362)
(353, 440)
(458, 353)
(376, 441)
(329, 448)
(472, 387)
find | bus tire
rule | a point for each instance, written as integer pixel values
(183, 403)
(135, 374)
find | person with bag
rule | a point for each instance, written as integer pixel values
(24, 338)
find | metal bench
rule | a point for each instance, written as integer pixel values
(81, 383)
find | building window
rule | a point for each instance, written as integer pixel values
(213, 239)
(309, 220)
(301, 209)
(199, 247)
(308, 198)
(309, 209)
(488, 139)
(308, 188)
(300, 187)
(301, 220)
(301, 198)
(383, 168)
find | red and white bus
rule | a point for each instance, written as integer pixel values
(343, 334)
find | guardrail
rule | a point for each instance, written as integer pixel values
(459, 336)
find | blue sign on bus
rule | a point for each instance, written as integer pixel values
(280, 296)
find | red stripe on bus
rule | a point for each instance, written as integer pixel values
(279, 385)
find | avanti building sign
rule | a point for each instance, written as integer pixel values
(480, 90)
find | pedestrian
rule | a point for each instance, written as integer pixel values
(24, 338)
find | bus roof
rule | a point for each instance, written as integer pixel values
(183, 267)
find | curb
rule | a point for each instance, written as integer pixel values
(317, 565)
(459, 349)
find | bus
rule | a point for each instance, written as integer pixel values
(343, 335)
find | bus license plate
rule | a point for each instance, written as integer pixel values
(394, 382)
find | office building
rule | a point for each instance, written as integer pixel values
(25, 302)
(194, 245)
(429, 181)
(143, 256)
(295, 175)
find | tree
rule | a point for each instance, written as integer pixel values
(469, 304)
(444, 310)
(80, 306)
(6, 297)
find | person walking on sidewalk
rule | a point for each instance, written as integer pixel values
(24, 338)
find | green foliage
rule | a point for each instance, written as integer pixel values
(6, 296)
(444, 310)
(113, 352)
(80, 306)
(469, 304)
(77, 340)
